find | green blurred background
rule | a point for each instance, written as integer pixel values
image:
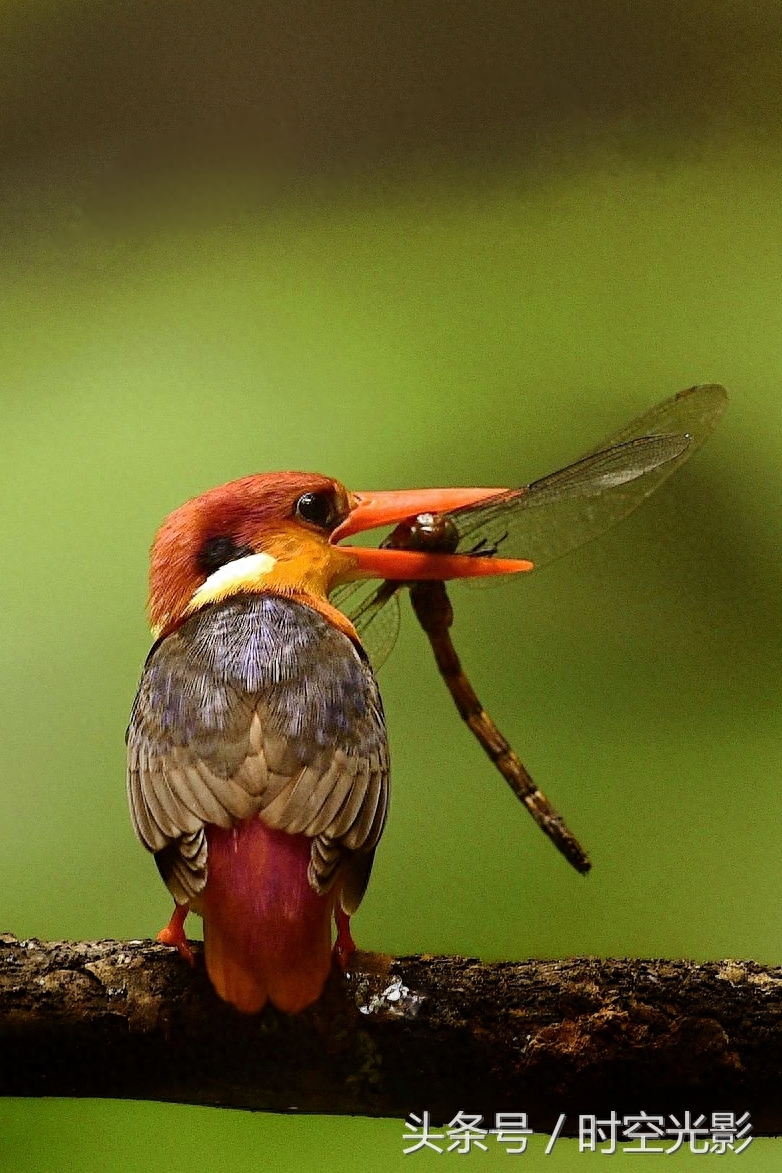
(404, 244)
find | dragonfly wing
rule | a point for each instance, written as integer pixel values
(696, 411)
(373, 609)
(568, 508)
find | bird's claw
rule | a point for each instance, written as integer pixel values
(174, 934)
(344, 946)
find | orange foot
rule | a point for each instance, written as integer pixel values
(344, 946)
(174, 933)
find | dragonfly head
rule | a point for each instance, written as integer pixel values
(429, 533)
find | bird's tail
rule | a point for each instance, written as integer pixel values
(267, 935)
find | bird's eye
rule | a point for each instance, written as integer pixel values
(218, 550)
(319, 509)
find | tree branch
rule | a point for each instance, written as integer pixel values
(131, 1020)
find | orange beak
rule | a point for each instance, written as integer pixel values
(375, 509)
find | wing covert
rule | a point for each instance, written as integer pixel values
(223, 731)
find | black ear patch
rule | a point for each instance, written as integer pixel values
(216, 551)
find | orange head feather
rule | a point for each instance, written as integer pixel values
(286, 516)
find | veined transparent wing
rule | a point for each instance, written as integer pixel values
(568, 508)
(374, 612)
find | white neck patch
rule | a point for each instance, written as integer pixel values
(231, 577)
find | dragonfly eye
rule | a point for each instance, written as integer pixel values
(429, 533)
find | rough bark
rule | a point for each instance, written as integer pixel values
(131, 1019)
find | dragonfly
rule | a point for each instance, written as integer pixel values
(541, 522)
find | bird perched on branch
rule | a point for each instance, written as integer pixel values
(257, 754)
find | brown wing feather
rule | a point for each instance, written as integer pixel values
(204, 748)
(357, 871)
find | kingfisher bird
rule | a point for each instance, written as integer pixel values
(257, 751)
